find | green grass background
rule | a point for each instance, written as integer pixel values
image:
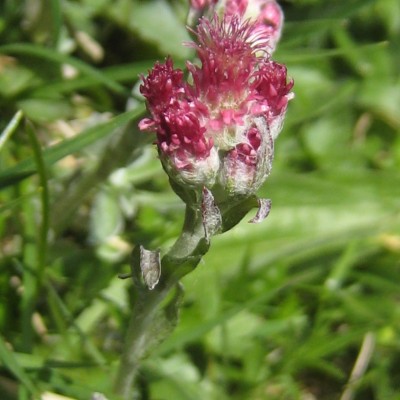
(279, 310)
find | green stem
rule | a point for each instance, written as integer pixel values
(182, 258)
(142, 316)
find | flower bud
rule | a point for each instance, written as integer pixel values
(249, 163)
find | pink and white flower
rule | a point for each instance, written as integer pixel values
(217, 128)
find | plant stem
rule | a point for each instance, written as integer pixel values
(135, 347)
(182, 258)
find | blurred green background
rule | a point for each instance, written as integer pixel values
(297, 307)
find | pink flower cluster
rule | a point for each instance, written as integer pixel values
(217, 128)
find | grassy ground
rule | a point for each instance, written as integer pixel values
(297, 307)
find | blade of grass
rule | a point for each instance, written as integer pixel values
(29, 261)
(14, 178)
(10, 362)
(51, 55)
(56, 21)
(341, 94)
(10, 128)
(196, 332)
(36, 246)
(120, 73)
(126, 144)
(63, 319)
(45, 204)
(361, 365)
(290, 55)
(52, 154)
(15, 202)
(343, 266)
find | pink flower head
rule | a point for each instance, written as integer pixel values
(201, 4)
(269, 19)
(219, 128)
(226, 50)
(267, 14)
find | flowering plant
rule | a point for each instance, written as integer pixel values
(218, 132)
(216, 125)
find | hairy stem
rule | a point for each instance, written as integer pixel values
(143, 314)
(182, 258)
